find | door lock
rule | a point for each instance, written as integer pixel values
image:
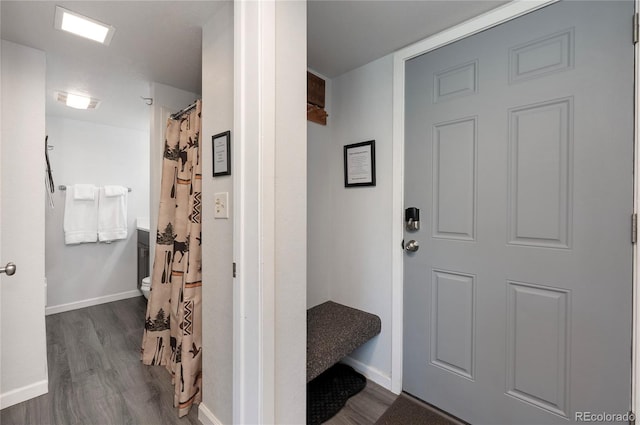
(9, 269)
(412, 246)
(412, 219)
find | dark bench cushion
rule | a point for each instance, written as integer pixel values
(333, 332)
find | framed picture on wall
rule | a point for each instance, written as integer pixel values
(360, 164)
(221, 154)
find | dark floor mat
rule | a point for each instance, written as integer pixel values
(408, 411)
(329, 392)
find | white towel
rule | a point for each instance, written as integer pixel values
(110, 191)
(83, 192)
(112, 216)
(80, 218)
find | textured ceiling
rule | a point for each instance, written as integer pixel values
(160, 41)
(343, 35)
(155, 41)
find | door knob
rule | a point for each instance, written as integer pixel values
(412, 246)
(9, 269)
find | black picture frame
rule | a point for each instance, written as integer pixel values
(221, 159)
(360, 164)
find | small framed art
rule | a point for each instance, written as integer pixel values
(360, 164)
(221, 154)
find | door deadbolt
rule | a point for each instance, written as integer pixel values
(9, 269)
(412, 246)
(412, 219)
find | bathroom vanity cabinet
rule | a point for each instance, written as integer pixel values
(143, 255)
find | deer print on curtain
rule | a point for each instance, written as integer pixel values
(173, 326)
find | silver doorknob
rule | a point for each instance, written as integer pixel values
(9, 269)
(412, 246)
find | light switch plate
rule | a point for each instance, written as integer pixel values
(221, 204)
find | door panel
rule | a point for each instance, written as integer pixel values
(23, 351)
(540, 170)
(452, 322)
(519, 150)
(454, 179)
(536, 313)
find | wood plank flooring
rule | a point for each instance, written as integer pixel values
(96, 377)
(95, 373)
(365, 407)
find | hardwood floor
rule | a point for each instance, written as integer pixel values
(96, 377)
(365, 407)
(95, 373)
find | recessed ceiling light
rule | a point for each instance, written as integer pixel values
(83, 26)
(77, 101)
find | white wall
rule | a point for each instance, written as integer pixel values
(23, 352)
(270, 212)
(319, 205)
(217, 235)
(86, 152)
(290, 254)
(356, 262)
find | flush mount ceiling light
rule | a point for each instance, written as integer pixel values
(83, 26)
(77, 101)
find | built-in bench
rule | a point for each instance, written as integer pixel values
(333, 332)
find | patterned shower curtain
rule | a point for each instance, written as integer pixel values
(173, 326)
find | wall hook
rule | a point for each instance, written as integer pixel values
(147, 100)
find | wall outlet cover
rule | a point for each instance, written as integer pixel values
(221, 203)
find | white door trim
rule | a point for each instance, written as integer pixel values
(253, 213)
(635, 379)
(473, 26)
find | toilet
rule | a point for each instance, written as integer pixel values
(146, 286)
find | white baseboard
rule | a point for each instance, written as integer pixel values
(206, 416)
(23, 394)
(54, 309)
(369, 372)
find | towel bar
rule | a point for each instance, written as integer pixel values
(63, 187)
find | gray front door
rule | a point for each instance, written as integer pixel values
(519, 154)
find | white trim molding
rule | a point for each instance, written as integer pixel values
(468, 28)
(23, 394)
(371, 373)
(61, 308)
(635, 370)
(206, 416)
(254, 212)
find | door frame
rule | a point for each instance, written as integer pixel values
(269, 212)
(635, 372)
(253, 213)
(468, 28)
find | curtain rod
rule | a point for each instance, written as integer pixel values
(184, 111)
(63, 187)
